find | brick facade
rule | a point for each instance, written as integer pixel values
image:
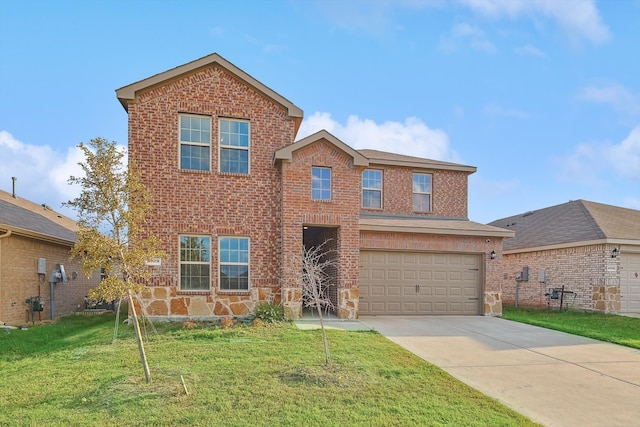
(272, 204)
(19, 280)
(589, 271)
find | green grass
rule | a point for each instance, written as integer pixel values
(70, 373)
(604, 327)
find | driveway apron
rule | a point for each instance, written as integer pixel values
(554, 378)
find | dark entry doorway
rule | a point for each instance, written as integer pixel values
(314, 236)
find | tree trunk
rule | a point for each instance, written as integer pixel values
(136, 326)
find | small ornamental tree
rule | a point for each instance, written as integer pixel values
(317, 262)
(112, 208)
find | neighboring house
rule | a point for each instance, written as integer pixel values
(34, 239)
(236, 197)
(591, 248)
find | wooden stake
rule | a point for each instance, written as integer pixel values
(184, 386)
(143, 357)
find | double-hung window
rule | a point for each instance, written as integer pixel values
(421, 192)
(195, 142)
(195, 263)
(320, 183)
(372, 189)
(234, 263)
(234, 146)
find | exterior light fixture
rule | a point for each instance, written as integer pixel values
(493, 254)
(614, 253)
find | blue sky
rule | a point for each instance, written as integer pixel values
(542, 96)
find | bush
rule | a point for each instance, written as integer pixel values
(270, 312)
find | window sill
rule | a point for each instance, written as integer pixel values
(193, 292)
(235, 292)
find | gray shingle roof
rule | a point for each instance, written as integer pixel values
(22, 216)
(575, 221)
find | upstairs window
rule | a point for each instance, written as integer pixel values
(320, 183)
(421, 192)
(195, 263)
(234, 146)
(372, 189)
(234, 263)
(195, 142)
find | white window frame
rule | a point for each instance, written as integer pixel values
(188, 262)
(247, 263)
(373, 188)
(199, 144)
(322, 189)
(234, 147)
(422, 193)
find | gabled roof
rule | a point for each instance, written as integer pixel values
(286, 153)
(25, 218)
(578, 221)
(128, 93)
(393, 159)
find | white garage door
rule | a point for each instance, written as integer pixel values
(420, 283)
(630, 282)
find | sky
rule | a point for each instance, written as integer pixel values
(542, 96)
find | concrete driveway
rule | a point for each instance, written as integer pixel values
(554, 378)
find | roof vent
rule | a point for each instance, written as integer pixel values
(527, 213)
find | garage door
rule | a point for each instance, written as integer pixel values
(630, 282)
(420, 283)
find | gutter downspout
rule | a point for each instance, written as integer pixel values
(7, 234)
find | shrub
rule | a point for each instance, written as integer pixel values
(269, 312)
(226, 322)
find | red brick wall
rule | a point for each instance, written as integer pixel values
(587, 270)
(210, 203)
(449, 192)
(19, 279)
(299, 209)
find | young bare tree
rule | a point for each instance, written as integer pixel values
(112, 208)
(317, 262)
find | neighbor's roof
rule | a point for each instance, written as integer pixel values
(422, 225)
(128, 93)
(25, 218)
(393, 159)
(578, 221)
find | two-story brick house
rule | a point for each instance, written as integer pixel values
(236, 197)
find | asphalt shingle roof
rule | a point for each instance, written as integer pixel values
(22, 215)
(575, 221)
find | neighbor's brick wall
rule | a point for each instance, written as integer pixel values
(492, 271)
(587, 270)
(449, 192)
(210, 203)
(342, 211)
(19, 279)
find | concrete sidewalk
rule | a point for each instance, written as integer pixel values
(554, 378)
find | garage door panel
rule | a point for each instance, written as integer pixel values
(419, 283)
(629, 282)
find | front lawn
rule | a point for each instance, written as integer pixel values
(70, 373)
(604, 327)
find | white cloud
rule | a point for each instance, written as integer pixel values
(411, 137)
(466, 33)
(579, 18)
(588, 161)
(613, 94)
(530, 50)
(41, 172)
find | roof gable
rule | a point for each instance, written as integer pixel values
(286, 153)
(23, 217)
(570, 223)
(128, 93)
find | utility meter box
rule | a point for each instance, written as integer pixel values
(42, 266)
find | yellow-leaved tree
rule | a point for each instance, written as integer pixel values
(112, 208)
